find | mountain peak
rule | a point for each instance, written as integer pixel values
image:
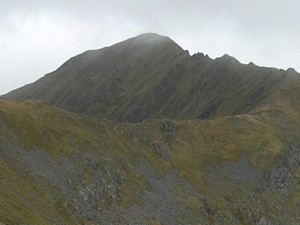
(227, 61)
(228, 58)
(291, 70)
(143, 77)
(151, 39)
(151, 36)
(147, 44)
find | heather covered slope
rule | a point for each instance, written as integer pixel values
(150, 76)
(62, 167)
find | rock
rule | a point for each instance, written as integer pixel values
(159, 150)
(254, 198)
(168, 127)
(113, 192)
(90, 160)
(67, 165)
(88, 214)
(298, 204)
(207, 210)
(282, 174)
(84, 195)
(249, 216)
(264, 221)
(135, 140)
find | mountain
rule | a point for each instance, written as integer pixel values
(223, 146)
(150, 76)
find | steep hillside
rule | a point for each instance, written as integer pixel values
(150, 76)
(59, 167)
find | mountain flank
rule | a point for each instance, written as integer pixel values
(150, 76)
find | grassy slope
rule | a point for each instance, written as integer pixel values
(192, 146)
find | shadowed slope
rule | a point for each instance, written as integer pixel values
(150, 76)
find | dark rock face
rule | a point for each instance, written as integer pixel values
(283, 174)
(278, 182)
(234, 172)
(88, 190)
(161, 199)
(79, 197)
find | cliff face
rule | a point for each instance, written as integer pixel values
(239, 164)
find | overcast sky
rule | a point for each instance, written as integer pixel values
(38, 36)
